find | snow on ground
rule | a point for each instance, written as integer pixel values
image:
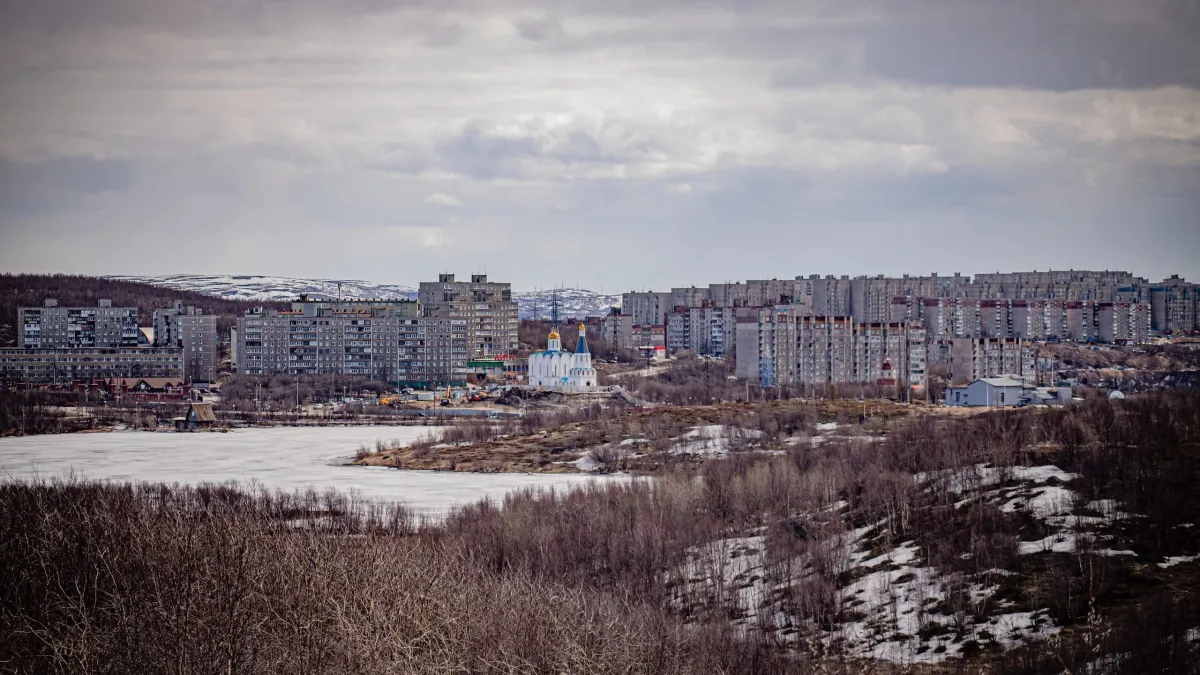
(712, 440)
(530, 304)
(1042, 502)
(894, 610)
(1061, 542)
(288, 458)
(1178, 560)
(969, 478)
(827, 426)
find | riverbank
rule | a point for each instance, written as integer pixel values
(633, 440)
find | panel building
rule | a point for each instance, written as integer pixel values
(63, 367)
(706, 330)
(783, 346)
(195, 333)
(54, 327)
(463, 321)
(647, 308)
(383, 340)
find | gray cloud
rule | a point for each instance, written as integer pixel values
(396, 138)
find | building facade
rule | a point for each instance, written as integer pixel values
(616, 328)
(62, 367)
(559, 370)
(463, 321)
(195, 333)
(54, 327)
(384, 340)
(647, 308)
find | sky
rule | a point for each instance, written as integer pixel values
(606, 144)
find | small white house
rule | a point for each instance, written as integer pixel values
(1000, 391)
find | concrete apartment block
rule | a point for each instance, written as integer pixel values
(463, 321)
(616, 328)
(1123, 322)
(975, 358)
(195, 333)
(647, 308)
(384, 340)
(54, 327)
(29, 365)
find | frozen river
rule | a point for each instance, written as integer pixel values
(279, 457)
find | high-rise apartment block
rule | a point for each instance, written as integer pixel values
(465, 320)
(647, 308)
(704, 330)
(420, 342)
(195, 333)
(1175, 306)
(383, 340)
(54, 327)
(616, 328)
(974, 358)
(66, 345)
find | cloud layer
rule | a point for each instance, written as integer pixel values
(610, 145)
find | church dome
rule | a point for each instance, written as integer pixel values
(554, 335)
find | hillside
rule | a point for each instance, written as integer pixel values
(29, 290)
(790, 539)
(572, 302)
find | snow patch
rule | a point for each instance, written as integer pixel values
(1177, 560)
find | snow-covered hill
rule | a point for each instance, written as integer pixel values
(572, 302)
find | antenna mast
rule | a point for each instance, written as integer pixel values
(554, 308)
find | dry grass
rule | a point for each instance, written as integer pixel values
(155, 579)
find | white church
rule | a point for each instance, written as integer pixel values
(559, 370)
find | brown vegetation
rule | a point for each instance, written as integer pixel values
(549, 441)
(595, 580)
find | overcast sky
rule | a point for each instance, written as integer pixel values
(606, 143)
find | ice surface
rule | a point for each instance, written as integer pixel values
(287, 458)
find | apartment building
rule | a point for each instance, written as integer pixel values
(616, 328)
(729, 294)
(688, 297)
(463, 321)
(830, 295)
(707, 330)
(647, 308)
(1097, 286)
(1123, 322)
(384, 340)
(1175, 306)
(195, 333)
(971, 359)
(54, 327)
(37, 365)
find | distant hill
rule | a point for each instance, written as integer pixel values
(572, 302)
(29, 290)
